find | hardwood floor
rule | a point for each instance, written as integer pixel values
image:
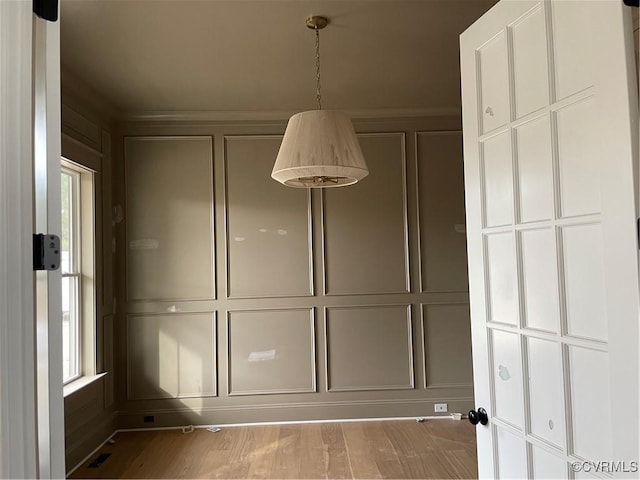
(385, 449)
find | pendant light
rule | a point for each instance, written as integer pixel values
(320, 148)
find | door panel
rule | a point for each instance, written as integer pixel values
(546, 394)
(502, 279)
(494, 81)
(572, 47)
(591, 434)
(507, 368)
(578, 163)
(585, 297)
(530, 65)
(539, 268)
(550, 201)
(498, 180)
(512, 457)
(535, 169)
(547, 465)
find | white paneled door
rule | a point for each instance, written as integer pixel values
(550, 144)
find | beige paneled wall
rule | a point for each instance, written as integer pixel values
(271, 351)
(369, 348)
(170, 231)
(441, 204)
(247, 301)
(365, 226)
(171, 356)
(269, 237)
(90, 411)
(447, 336)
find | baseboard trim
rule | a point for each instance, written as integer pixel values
(293, 422)
(279, 413)
(301, 405)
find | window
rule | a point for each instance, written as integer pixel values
(77, 265)
(71, 268)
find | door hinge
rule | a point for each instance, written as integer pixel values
(46, 9)
(46, 252)
(632, 3)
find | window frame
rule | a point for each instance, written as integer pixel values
(74, 272)
(83, 267)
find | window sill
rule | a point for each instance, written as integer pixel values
(80, 383)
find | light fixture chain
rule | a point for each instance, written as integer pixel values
(318, 95)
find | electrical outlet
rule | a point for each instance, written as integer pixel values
(440, 407)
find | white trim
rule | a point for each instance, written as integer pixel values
(448, 416)
(18, 455)
(279, 115)
(47, 154)
(81, 382)
(618, 114)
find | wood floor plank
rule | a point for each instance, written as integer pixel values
(389, 449)
(337, 460)
(410, 442)
(242, 452)
(361, 459)
(263, 458)
(313, 452)
(287, 455)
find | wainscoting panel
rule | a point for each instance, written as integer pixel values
(170, 230)
(268, 225)
(369, 348)
(171, 356)
(84, 130)
(89, 410)
(447, 346)
(108, 362)
(443, 247)
(271, 351)
(365, 225)
(329, 303)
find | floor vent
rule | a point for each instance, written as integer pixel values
(100, 459)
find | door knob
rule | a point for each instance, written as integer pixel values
(478, 416)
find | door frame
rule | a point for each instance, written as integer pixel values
(47, 158)
(31, 399)
(18, 422)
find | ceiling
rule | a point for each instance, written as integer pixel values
(258, 55)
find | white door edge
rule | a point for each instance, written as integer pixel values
(47, 156)
(18, 453)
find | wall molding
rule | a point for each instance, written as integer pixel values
(360, 388)
(253, 116)
(423, 287)
(75, 151)
(292, 412)
(78, 93)
(314, 368)
(212, 218)
(213, 317)
(405, 212)
(424, 307)
(411, 398)
(310, 232)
